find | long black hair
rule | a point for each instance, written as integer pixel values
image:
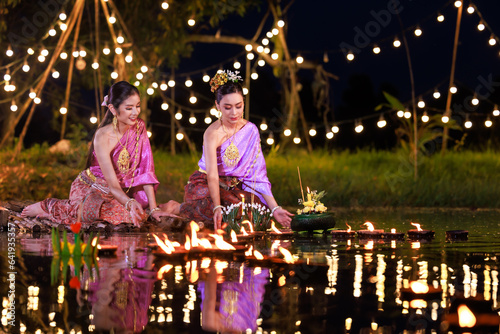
(228, 88)
(118, 93)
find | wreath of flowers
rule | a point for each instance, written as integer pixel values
(221, 77)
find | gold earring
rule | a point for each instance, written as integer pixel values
(115, 122)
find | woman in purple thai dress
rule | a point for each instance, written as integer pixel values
(232, 164)
(119, 182)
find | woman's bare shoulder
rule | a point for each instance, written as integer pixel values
(103, 135)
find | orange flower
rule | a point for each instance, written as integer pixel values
(76, 227)
(74, 283)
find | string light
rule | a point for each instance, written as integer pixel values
(163, 86)
(350, 56)
(254, 76)
(265, 41)
(188, 82)
(7, 76)
(52, 32)
(481, 26)
(208, 119)
(287, 132)
(250, 56)
(335, 129)
(155, 85)
(470, 9)
(192, 119)
(114, 75)
(63, 26)
(475, 100)
(421, 103)
(179, 136)
(381, 122)
(407, 114)
(37, 100)
(237, 65)
(93, 119)
(95, 64)
(9, 51)
(270, 34)
(130, 57)
(458, 3)
(75, 54)
(248, 47)
(245, 91)
(325, 57)
(149, 133)
(400, 113)
(112, 18)
(376, 50)
(496, 112)
(488, 123)
(436, 94)
(63, 55)
(120, 39)
(275, 31)
(206, 78)
(313, 132)
(63, 110)
(41, 58)
(192, 99)
(32, 94)
(191, 22)
(44, 52)
(274, 56)
(260, 49)
(13, 106)
(26, 67)
(164, 106)
(30, 51)
(62, 16)
(263, 125)
(418, 32)
(137, 83)
(296, 140)
(267, 50)
(106, 50)
(425, 117)
(164, 5)
(453, 89)
(440, 17)
(171, 83)
(178, 115)
(492, 40)
(139, 76)
(261, 62)
(299, 59)
(329, 135)
(213, 112)
(396, 43)
(55, 74)
(144, 68)
(359, 127)
(468, 123)
(445, 119)
(82, 53)
(270, 139)
(150, 91)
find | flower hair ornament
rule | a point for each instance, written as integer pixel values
(221, 77)
(105, 101)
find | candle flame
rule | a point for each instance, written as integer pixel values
(165, 269)
(187, 244)
(281, 280)
(274, 228)
(369, 226)
(308, 191)
(166, 248)
(194, 237)
(250, 225)
(233, 236)
(258, 255)
(286, 253)
(348, 227)
(419, 287)
(249, 251)
(465, 317)
(221, 244)
(205, 243)
(94, 241)
(243, 231)
(417, 226)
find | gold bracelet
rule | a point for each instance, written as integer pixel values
(153, 210)
(128, 202)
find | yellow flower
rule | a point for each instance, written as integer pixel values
(320, 208)
(299, 212)
(309, 204)
(307, 209)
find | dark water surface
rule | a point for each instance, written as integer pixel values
(335, 286)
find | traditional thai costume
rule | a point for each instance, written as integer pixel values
(132, 160)
(242, 171)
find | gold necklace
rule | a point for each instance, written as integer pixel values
(124, 157)
(231, 155)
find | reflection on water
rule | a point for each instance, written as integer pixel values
(335, 286)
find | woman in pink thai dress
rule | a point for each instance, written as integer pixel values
(119, 182)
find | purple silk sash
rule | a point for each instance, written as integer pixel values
(251, 168)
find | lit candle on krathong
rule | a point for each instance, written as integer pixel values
(308, 195)
(370, 232)
(343, 234)
(419, 233)
(242, 204)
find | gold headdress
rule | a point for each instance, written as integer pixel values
(221, 77)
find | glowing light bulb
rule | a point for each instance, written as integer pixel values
(120, 39)
(440, 17)
(192, 119)
(425, 117)
(208, 119)
(376, 50)
(171, 83)
(95, 65)
(179, 136)
(287, 132)
(275, 31)
(381, 123)
(436, 94)
(400, 113)
(245, 91)
(31, 52)
(421, 104)
(270, 34)
(164, 106)
(481, 26)
(191, 22)
(37, 100)
(281, 23)
(114, 75)
(267, 50)
(492, 41)
(164, 5)
(62, 16)
(254, 76)
(296, 140)
(150, 91)
(63, 55)
(82, 53)
(32, 94)
(93, 119)
(263, 125)
(470, 9)
(458, 3)
(445, 119)
(261, 62)
(55, 74)
(52, 32)
(260, 49)
(112, 19)
(144, 68)
(41, 58)
(359, 128)
(270, 140)
(26, 67)
(407, 114)
(299, 59)
(178, 115)
(396, 43)
(13, 106)
(63, 110)
(237, 65)
(130, 57)
(488, 123)
(9, 51)
(496, 112)
(75, 54)
(453, 89)
(265, 41)
(329, 135)
(188, 82)
(139, 76)
(313, 132)
(335, 129)
(350, 56)
(468, 124)
(163, 86)
(418, 32)
(248, 47)
(106, 50)
(149, 133)
(193, 99)
(274, 56)
(63, 26)
(475, 101)
(206, 78)
(250, 56)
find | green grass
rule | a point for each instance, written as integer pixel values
(364, 178)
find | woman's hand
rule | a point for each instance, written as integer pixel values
(137, 213)
(218, 219)
(283, 217)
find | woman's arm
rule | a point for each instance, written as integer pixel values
(103, 145)
(281, 215)
(210, 144)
